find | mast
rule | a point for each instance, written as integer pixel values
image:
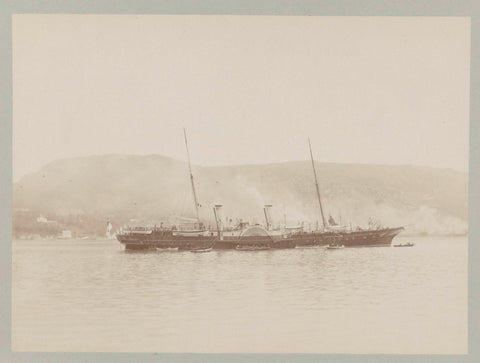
(268, 219)
(218, 220)
(316, 184)
(191, 177)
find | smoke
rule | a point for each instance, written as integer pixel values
(243, 200)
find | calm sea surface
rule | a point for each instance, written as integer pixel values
(72, 295)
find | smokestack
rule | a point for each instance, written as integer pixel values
(268, 216)
(218, 212)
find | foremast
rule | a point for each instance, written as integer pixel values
(191, 178)
(316, 185)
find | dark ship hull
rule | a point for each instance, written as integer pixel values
(363, 238)
(229, 240)
(254, 242)
(165, 239)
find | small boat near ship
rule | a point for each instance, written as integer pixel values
(167, 249)
(335, 247)
(408, 244)
(252, 248)
(201, 250)
(307, 247)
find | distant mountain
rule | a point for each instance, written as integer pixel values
(153, 188)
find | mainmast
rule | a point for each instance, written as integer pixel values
(316, 184)
(191, 177)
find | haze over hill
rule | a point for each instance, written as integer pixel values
(153, 188)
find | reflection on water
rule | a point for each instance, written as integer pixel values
(94, 296)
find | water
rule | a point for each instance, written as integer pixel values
(93, 296)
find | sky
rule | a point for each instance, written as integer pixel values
(248, 89)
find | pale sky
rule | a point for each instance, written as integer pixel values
(248, 89)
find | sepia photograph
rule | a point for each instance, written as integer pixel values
(240, 184)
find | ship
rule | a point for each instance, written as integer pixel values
(244, 236)
(334, 235)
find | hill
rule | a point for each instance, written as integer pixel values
(153, 188)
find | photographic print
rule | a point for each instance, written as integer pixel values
(240, 184)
